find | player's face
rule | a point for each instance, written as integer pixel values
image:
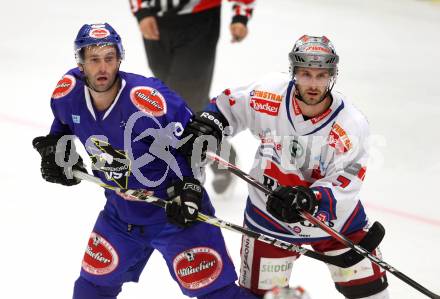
(101, 64)
(312, 84)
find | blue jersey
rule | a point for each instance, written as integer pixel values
(132, 144)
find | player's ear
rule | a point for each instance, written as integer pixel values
(80, 66)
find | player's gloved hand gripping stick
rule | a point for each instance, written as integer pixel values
(186, 202)
(358, 248)
(343, 260)
(50, 168)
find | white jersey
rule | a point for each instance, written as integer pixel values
(327, 153)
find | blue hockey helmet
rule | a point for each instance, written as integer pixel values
(97, 34)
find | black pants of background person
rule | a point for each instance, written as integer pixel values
(184, 56)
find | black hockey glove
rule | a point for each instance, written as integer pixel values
(285, 202)
(203, 123)
(183, 209)
(50, 170)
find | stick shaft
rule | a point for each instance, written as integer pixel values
(145, 196)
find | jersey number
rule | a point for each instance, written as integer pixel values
(343, 180)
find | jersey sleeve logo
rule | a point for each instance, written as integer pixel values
(197, 267)
(64, 87)
(148, 100)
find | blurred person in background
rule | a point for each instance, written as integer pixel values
(180, 39)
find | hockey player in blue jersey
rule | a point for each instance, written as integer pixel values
(130, 126)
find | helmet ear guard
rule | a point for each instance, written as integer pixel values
(97, 35)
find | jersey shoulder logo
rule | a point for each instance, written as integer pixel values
(64, 87)
(148, 100)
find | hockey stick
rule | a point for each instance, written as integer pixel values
(333, 233)
(146, 196)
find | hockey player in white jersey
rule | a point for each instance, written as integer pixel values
(313, 156)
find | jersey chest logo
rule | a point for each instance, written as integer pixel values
(265, 102)
(264, 106)
(148, 100)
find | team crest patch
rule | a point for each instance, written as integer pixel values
(64, 87)
(197, 267)
(100, 257)
(148, 100)
(114, 163)
(296, 149)
(99, 33)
